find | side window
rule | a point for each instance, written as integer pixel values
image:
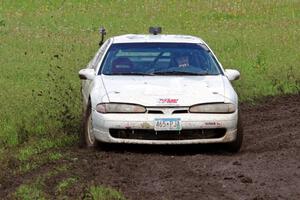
(100, 54)
(92, 62)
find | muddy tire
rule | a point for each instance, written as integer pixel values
(236, 145)
(87, 138)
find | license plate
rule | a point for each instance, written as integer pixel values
(167, 124)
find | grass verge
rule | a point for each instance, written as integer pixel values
(104, 193)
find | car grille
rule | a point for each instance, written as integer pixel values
(167, 110)
(148, 134)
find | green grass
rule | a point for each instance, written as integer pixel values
(34, 189)
(65, 184)
(36, 148)
(55, 156)
(28, 192)
(35, 160)
(105, 193)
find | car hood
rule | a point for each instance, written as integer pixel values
(164, 90)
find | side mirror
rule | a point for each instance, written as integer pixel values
(87, 74)
(232, 74)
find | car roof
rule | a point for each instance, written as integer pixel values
(161, 38)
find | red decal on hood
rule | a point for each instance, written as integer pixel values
(168, 100)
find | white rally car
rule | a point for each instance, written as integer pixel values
(159, 89)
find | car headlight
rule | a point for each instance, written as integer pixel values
(213, 108)
(119, 108)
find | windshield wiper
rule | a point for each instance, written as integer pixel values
(132, 73)
(179, 73)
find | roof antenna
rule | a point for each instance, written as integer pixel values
(155, 30)
(102, 32)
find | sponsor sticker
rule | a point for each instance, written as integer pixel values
(167, 101)
(213, 124)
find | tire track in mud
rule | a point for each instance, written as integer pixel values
(268, 166)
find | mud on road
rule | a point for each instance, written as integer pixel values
(267, 167)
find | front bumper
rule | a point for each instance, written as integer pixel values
(102, 123)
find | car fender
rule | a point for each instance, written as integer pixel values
(98, 92)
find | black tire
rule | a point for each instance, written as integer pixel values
(87, 139)
(236, 145)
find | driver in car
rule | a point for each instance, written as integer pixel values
(182, 61)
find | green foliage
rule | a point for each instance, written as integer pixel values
(34, 188)
(66, 183)
(43, 44)
(37, 147)
(26, 167)
(28, 192)
(55, 156)
(104, 193)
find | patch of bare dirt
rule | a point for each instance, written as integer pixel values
(267, 167)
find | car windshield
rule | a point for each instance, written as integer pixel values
(159, 59)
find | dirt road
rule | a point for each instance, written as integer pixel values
(268, 166)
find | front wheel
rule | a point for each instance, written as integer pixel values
(236, 145)
(87, 136)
